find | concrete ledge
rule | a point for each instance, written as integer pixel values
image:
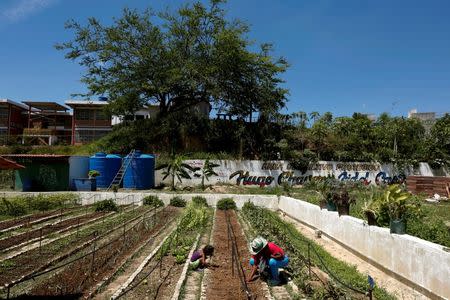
(423, 263)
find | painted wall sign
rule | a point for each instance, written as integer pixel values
(272, 173)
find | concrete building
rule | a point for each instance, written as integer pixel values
(89, 120)
(11, 120)
(47, 123)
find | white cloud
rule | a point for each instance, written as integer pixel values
(21, 9)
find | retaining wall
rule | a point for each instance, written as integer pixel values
(425, 264)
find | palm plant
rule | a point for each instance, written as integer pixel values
(207, 171)
(176, 168)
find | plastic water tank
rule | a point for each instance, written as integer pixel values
(140, 174)
(78, 168)
(107, 165)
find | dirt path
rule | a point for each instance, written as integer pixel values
(221, 282)
(382, 279)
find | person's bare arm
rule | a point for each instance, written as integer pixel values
(277, 256)
(252, 274)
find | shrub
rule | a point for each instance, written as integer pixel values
(177, 202)
(13, 207)
(226, 203)
(152, 200)
(199, 201)
(106, 205)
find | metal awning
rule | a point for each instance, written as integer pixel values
(6, 164)
(46, 106)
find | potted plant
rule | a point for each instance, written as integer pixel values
(371, 210)
(400, 207)
(93, 173)
(324, 188)
(342, 199)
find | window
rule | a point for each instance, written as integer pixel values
(101, 115)
(4, 113)
(84, 114)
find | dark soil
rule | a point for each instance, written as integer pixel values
(47, 229)
(28, 219)
(82, 275)
(159, 285)
(221, 282)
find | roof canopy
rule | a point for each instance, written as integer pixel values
(6, 164)
(85, 103)
(45, 106)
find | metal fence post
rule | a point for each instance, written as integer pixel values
(40, 240)
(93, 252)
(309, 259)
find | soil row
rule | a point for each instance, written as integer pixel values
(22, 221)
(79, 277)
(223, 282)
(46, 230)
(38, 259)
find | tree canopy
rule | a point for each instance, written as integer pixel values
(176, 60)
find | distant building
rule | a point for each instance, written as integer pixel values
(151, 111)
(427, 118)
(46, 123)
(11, 120)
(89, 120)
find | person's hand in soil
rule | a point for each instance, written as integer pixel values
(252, 274)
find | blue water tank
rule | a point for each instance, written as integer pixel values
(107, 165)
(140, 174)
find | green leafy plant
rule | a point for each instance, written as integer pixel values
(177, 202)
(153, 201)
(226, 203)
(93, 173)
(207, 171)
(199, 201)
(399, 203)
(106, 205)
(176, 168)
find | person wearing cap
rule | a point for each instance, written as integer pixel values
(269, 253)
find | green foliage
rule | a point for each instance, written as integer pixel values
(199, 201)
(176, 168)
(207, 171)
(106, 205)
(193, 221)
(21, 205)
(177, 202)
(153, 201)
(226, 203)
(93, 173)
(399, 203)
(268, 224)
(198, 46)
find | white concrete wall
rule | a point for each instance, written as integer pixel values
(423, 263)
(271, 173)
(268, 201)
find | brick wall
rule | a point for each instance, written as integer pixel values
(427, 184)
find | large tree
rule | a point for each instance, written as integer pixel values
(176, 60)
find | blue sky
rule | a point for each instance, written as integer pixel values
(345, 55)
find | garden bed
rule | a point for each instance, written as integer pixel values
(80, 276)
(222, 283)
(37, 259)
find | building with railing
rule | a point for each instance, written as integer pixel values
(90, 121)
(11, 120)
(47, 123)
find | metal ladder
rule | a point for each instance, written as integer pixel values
(125, 164)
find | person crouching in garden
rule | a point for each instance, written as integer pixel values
(198, 258)
(267, 254)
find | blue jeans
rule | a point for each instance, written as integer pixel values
(274, 265)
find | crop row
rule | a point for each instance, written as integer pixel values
(305, 254)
